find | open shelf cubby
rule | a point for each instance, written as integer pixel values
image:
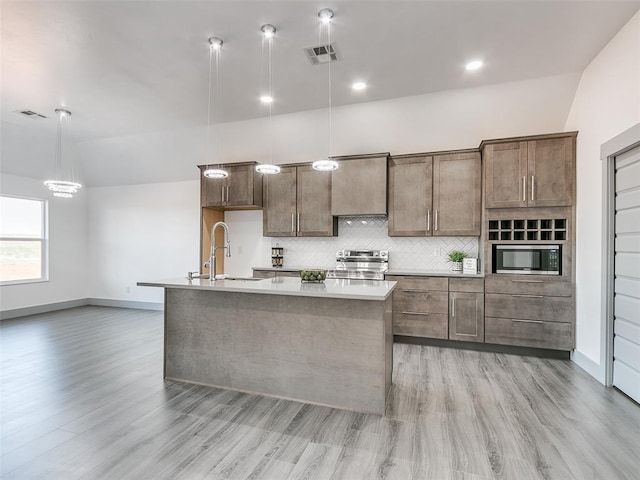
(554, 229)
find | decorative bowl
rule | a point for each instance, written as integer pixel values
(315, 275)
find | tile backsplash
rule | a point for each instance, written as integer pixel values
(371, 233)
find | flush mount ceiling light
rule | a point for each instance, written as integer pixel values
(326, 165)
(215, 46)
(64, 184)
(474, 65)
(268, 32)
(359, 86)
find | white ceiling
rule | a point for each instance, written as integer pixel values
(132, 67)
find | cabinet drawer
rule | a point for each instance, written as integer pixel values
(530, 286)
(274, 273)
(529, 307)
(427, 325)
(473, 285)
(527, 333)
(420, 301)
(420, 283)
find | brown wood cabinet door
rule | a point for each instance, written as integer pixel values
(314, 217)
(239, 185)
(410, 196)
(466, 316)
(359, 187)
(551, 176)
(505, 175)
(278, 215)
(212, 191)
(457, 194)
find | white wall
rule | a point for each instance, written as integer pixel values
(141, 232)
(451, 119)
(67, 248)
(606, 103)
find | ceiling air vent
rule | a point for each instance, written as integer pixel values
(30, 114)
(321, 54)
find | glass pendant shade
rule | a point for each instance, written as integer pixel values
(215, 173)
(325, 165)
(267, 169)
(63, 184)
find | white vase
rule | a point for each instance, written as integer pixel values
(456, 266)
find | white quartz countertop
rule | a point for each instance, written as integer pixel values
(431, 273)
(331, 288)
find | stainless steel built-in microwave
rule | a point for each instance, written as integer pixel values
(527, 259)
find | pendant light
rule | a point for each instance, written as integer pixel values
(268, 32)
(215, 46)
(64, 183)
(326, 165)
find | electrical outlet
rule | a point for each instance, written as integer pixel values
(239, 249)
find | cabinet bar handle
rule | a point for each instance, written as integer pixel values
(533, 187)
(435, 221)
(228, 188)
(222, 197)
(453, 307)
(524, 189)
(414, 313)
(298, 222)
(428, 220)
(412, 290)
(527, 296)
(527, 281)
(293, 223)
(526, 321)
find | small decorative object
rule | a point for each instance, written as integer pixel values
(313, 275)
(470, 266)
(277, 256)
(455, 258)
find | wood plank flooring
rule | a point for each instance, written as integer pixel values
(83, 398)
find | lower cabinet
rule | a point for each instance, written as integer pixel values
(466, 309)
(420, 306)
(529, 312)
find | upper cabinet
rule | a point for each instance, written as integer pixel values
(297, 202)
(241, 190)
(359, 186)
(410, 196)
(530, 172)
(435, 195)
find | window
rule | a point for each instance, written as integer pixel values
(23, 240)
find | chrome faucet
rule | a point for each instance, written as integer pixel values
(212, 258)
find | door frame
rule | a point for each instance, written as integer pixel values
(627, 140)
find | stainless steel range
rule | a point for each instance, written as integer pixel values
(360, 264)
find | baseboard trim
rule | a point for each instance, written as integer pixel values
(107, 302)
(588, 365)
(48, 307)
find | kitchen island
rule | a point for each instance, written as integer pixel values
(325, 343)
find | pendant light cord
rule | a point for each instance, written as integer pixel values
(330, 61)
(270, 40)
(208, 151)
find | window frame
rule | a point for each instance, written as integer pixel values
(43, 240)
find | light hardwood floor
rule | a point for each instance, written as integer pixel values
(83, 398)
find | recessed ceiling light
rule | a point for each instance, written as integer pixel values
(475, 65)
(325, 15)
(266, 99)
(268, 30)
(359, 86)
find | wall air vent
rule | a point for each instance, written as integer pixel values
(321, 54)
(30, 114)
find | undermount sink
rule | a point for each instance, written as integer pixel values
(242, 279)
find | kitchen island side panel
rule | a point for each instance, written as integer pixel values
(329, 351)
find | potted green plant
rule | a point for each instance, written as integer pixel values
(455, 258)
